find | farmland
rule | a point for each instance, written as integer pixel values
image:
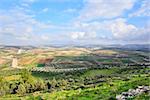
(72, 73)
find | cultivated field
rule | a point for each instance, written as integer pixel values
(73, 73)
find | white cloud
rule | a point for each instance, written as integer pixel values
(90, 26)
(121, 29)
(45, 10)
(144, 10)
(29, 1)
(91, 30)
(95, 9)
(70, 10)
(44, 37)
(77, 35)
(83, 35)
(20, 26)
(111, 30)
(25, 4)
(103, 17)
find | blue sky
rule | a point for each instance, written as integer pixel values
(42, 22)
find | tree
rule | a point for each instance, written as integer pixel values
(48, 85)
(13, 88)
(21, 89)
(4, 89)
(53, 83)
(28, 87)
(39, 85)
(63, 83)
(4, 86)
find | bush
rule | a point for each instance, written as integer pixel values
(40, 85)
(21, 89)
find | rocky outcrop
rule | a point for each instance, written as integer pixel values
(133, 92)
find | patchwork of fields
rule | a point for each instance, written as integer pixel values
(72, 73)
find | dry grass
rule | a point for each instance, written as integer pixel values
(26, 60)
(35, 55)
(59, 52)
(106, 52)
(12, 77)
(2, 61)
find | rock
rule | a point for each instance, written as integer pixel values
(125, 93)
(146, 88)
(133, 92)
(140, 87)
(130, 90)
(130, 95)
(123, 98)
(118, 97)
(137, 91)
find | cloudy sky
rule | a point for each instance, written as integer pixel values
(38, 22)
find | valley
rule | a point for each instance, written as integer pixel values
(72, 73)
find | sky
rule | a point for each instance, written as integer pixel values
(74, 22)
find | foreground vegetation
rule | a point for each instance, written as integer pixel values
(94, 84)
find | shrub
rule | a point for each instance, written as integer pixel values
(21, 89)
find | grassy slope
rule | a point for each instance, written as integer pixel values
(105, 91)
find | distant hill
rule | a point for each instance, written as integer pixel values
(137, 47)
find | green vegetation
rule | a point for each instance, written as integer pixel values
(103, 72)
(40, 65)
(144, 96)
(105, 77)
(101, 91)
